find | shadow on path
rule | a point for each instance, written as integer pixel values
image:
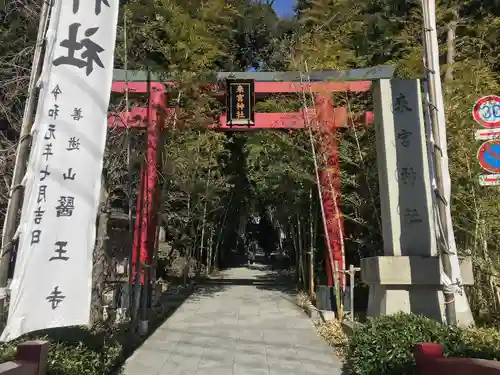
(240, 322)
(259, 276)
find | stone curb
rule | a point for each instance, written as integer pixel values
(314, 314)
(321, 316)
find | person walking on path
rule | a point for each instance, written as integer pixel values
(252, 248)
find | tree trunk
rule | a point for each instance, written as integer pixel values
(99, 258)
(312, 225)
(296, 248)
(209, 252)
(300, 249)
(311, 247)
(202, 241)
(215, 263)
(450, 49)
(187, 251)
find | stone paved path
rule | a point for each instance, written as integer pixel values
(241, 324)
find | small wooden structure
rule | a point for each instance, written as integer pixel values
(31, 359)
(430, 361)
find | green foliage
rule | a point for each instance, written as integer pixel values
(315, 48)
(279, 165)
(359, 186)
(7, 352)
(257, 25)
(18, 21)
(74, 351)
(384, 345)
(171, 38)
(481, 343)
(75, 359)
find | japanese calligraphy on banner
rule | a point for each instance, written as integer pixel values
(53, 275)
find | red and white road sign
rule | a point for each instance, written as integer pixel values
(486, 111)
(489, 156)
(489, 180)
(487, 134)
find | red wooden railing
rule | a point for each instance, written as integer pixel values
(31, 359)
(430, 361)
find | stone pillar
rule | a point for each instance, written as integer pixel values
(407, 278)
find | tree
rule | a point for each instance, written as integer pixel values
(18, 28)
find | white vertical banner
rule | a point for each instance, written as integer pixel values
(53, 276)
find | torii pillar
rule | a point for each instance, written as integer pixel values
(146, 215)
(330, 186)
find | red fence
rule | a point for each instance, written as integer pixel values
(31, 359)
(430, 361)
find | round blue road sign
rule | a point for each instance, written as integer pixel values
(489, 156)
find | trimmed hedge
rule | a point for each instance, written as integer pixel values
(384, 345)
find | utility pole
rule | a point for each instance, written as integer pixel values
(22, 153)
(442, 187)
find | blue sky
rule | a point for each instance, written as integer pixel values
(284, 7)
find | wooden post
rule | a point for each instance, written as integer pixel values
(425, 352)
(352, 272)
(36, 352)
(31, 359)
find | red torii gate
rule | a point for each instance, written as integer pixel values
(324, 116)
